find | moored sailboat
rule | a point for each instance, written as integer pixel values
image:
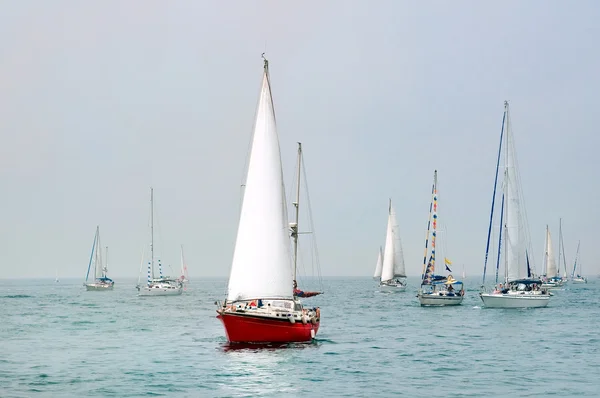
(294, 230)
(393, 271)
(577, 278)
(261, 306)
(161, 285)
(437, 290)
(551, 278)
(101, 281)
(520, 290)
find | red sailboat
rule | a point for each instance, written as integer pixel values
(261, 306)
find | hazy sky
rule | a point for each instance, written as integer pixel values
(100, 100)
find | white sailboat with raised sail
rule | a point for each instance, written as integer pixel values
(520, 290)
(437, 290)
(577, 277)
(393, 271)
(551, 278)
(101, 281)
(161, 285)
(184, 278)
(379, 265)
(261, 306)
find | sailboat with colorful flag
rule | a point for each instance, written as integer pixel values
(577, 278)
(101, 281)
(261, 306)
(393, 271)
(520, 289)
(437, 290)
(161, 285)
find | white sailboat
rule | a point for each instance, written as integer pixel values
(161, 285)
(577, 278)
(261, 306)
(393, 273)
(101, 281)
(519, 289)
(184, 278)
(56, 277)
(437, 290)
(379, 265)
(551, 278)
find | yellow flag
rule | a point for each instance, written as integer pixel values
(448, 262)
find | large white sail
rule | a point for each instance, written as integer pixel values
(551, 269)
(261, 266)
(393, 257)
(514, 239)
(379, 265)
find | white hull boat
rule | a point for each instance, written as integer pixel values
(437, 290)
(579, 280)
(98, 286)
(160, 289)
(438, 299)
(101, 281)
(162, 285)
(510, 300)
(392, 286)
(520, 289)
(392, 259)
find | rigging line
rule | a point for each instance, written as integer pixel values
(312, 226)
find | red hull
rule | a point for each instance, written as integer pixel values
(253, 329)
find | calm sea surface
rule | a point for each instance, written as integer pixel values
(57, 340)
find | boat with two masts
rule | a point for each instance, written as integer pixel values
(101, 281)
(437, 290)
(261, 306)
(520, 289)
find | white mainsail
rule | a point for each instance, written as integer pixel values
(379, 265)
(261, 266)
(514, 239)
(393, 258)
(551, 269)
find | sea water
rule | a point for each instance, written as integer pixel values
(57, 340)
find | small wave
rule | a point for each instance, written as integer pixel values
(17, 296)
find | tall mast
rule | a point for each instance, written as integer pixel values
(297, 207)
(506, 182)
(152, 230)
(559, 241)
(105, 268)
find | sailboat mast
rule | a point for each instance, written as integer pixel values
(506, 182)
(297, 207)
(559, 241)
(105, 269)
(152, 231)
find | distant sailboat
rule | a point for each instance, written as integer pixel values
(56, 278)
(551, 277)
(519, 290)
(261, 306)
(577, 278)
(393, 272)
(184, 278)
(379, 266)
(437, 290)
(163, 285)
(101, 280)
